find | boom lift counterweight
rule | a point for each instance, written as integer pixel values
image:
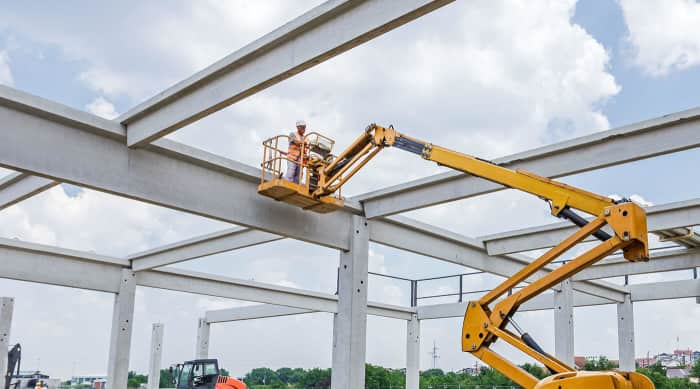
(486, 319)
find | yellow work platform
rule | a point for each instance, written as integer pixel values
(295, 194)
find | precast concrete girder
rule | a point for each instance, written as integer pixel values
(659, 217)
(666, 290)
(60, 143)
(76, 269)
(201, 246)
(663, 135)
(325, 31)
(18, 187)
(661, 261)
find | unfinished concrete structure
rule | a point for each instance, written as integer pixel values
(38, 138)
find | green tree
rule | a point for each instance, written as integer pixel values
(602, 363)
(224, 372)
(166, 379)
(261, 376)
(695, 371)
(135, 380)
(316, 379)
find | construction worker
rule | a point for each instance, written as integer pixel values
(294, 156)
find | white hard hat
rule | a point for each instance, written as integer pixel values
(301, 123)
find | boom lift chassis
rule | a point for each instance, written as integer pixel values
(483, 325)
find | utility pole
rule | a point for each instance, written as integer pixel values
(434, 354)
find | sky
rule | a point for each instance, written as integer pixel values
(489, 78)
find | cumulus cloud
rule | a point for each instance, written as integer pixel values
(5, 71)
(102, 107)
(663, 34)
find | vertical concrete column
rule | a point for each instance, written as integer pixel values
(7, 305)
(202, 350)
(413, 353)
(350, 322)
(564, 323)
(120, 340)
(156, 356)
(625, 334)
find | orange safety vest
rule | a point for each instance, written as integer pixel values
(295, 147)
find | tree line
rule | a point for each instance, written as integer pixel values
(377, 377)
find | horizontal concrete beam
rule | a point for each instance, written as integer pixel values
(202, 246)
(650, 138)
(640, 292)
(661, 261)
(252, 312)
(423, 239)
(314, 37)
(63, 144)
(76, 269)
(56, 266)
(262, 311)
(659, 217)
(18, 187)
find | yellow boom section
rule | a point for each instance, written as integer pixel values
(486, 319)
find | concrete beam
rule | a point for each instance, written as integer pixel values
(120, 338)
(57, 142)
(659, 217)
(156, 357)
(202, 346)
(420, 238)
(413, 353)
(625, 335)
(18, 187)
(57, 266)
(325, 31)
(202, 246)
(650, 138)
(252, 312)
(661, 261)
(564, 323)
(7, 305)
(77, 269)
(667, 290)
(350, 322)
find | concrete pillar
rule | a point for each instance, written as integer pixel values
(6, 308)
(625, 334)
(413, 353)
(350, 322)
(202, 347)
(564, 323)
(156, 356)
(120, 340)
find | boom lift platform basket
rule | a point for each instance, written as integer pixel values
(315, 153)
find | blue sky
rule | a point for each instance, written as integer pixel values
(488, 78)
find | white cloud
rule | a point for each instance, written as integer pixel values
(663, 33)
(102, 107)
(5, 71)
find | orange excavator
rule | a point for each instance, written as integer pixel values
(486, 320)
(203, 374)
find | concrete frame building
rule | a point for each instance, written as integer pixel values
(38, 139)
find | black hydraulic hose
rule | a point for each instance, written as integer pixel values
(530, 341)
(578, 220)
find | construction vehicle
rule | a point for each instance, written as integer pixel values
(202, 374)
(485, 320)
(14, 357)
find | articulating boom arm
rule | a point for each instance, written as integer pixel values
(483, 324)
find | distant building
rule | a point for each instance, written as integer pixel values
(87, 379)
(677, 372)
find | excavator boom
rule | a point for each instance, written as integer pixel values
(486, 319)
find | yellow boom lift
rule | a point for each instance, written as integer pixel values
(486, 319)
